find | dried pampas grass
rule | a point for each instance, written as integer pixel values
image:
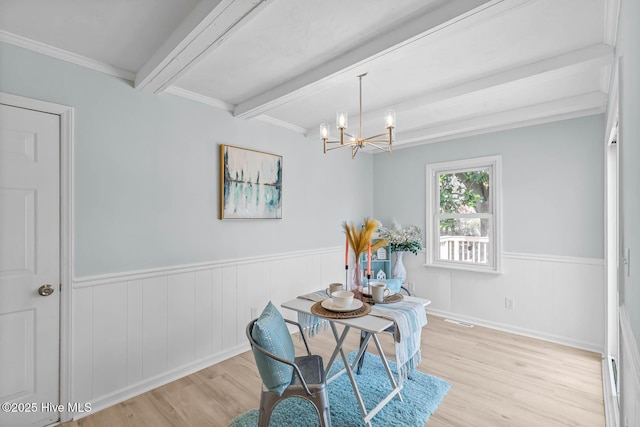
(359, 238)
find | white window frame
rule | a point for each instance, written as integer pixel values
(494, 164)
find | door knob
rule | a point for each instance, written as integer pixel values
(45, 290)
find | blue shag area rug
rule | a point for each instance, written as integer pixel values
(422, 394)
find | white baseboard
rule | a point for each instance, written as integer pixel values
(144, 386)
(518, 331)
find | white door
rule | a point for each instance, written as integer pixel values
(29, 260)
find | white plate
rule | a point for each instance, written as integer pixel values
(328, 304)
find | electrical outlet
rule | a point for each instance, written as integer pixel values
(254, 312)
(508, 303)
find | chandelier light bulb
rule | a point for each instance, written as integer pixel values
(341, 120)
(324, 130)
(390, 118)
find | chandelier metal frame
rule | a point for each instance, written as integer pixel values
(356, 142)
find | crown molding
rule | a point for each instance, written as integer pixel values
(64, 55)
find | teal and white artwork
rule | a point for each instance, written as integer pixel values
(251, 184)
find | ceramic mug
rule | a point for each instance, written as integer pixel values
(335, 287)
(379, 291)
(342, 299)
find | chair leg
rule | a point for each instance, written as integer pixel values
(321, 401)
(268, 401)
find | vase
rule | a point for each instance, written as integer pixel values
(357, 279)
(399, 272)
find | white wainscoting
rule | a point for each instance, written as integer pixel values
(629, 374)
(135, 331)
(558, 299)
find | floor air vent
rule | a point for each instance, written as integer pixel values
(458, 322)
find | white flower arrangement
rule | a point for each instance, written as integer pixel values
(400, 240)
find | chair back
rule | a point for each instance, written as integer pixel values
(272, 348)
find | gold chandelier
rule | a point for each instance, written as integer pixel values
(358, 142)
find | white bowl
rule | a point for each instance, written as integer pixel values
(342, 298)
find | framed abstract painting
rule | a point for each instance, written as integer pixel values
(250, 184)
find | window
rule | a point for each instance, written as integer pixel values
(463, 214)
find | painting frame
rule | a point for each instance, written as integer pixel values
(250, 184)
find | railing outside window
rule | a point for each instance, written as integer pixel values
(465, 248)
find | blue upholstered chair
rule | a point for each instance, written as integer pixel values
(283, 374)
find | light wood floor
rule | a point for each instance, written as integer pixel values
(497, 379)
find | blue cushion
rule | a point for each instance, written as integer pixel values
(270, 332)
(393, 284)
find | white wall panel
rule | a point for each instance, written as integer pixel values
(181, 322)
(229, 295)
(154, 326)
(82, 353)
(251, 290)
(218, 315)
(279, 280)
(538, 286)
(136, 331)
(554, 298)
(204, 324)
(110, 338)
(577, 300)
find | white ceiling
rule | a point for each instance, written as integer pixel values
(449, 67)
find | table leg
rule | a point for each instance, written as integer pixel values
(349, 369)
(387, 368)
(339, 342)
(362, 344)
(345, 361)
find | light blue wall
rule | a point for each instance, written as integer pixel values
(146, 183)
(628, 50)
(553, 184)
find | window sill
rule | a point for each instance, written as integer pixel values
(466, 268)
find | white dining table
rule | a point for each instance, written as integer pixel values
(370, 325)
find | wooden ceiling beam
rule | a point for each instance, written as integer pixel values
(420, 26)
(559, 109)
(207, 26)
